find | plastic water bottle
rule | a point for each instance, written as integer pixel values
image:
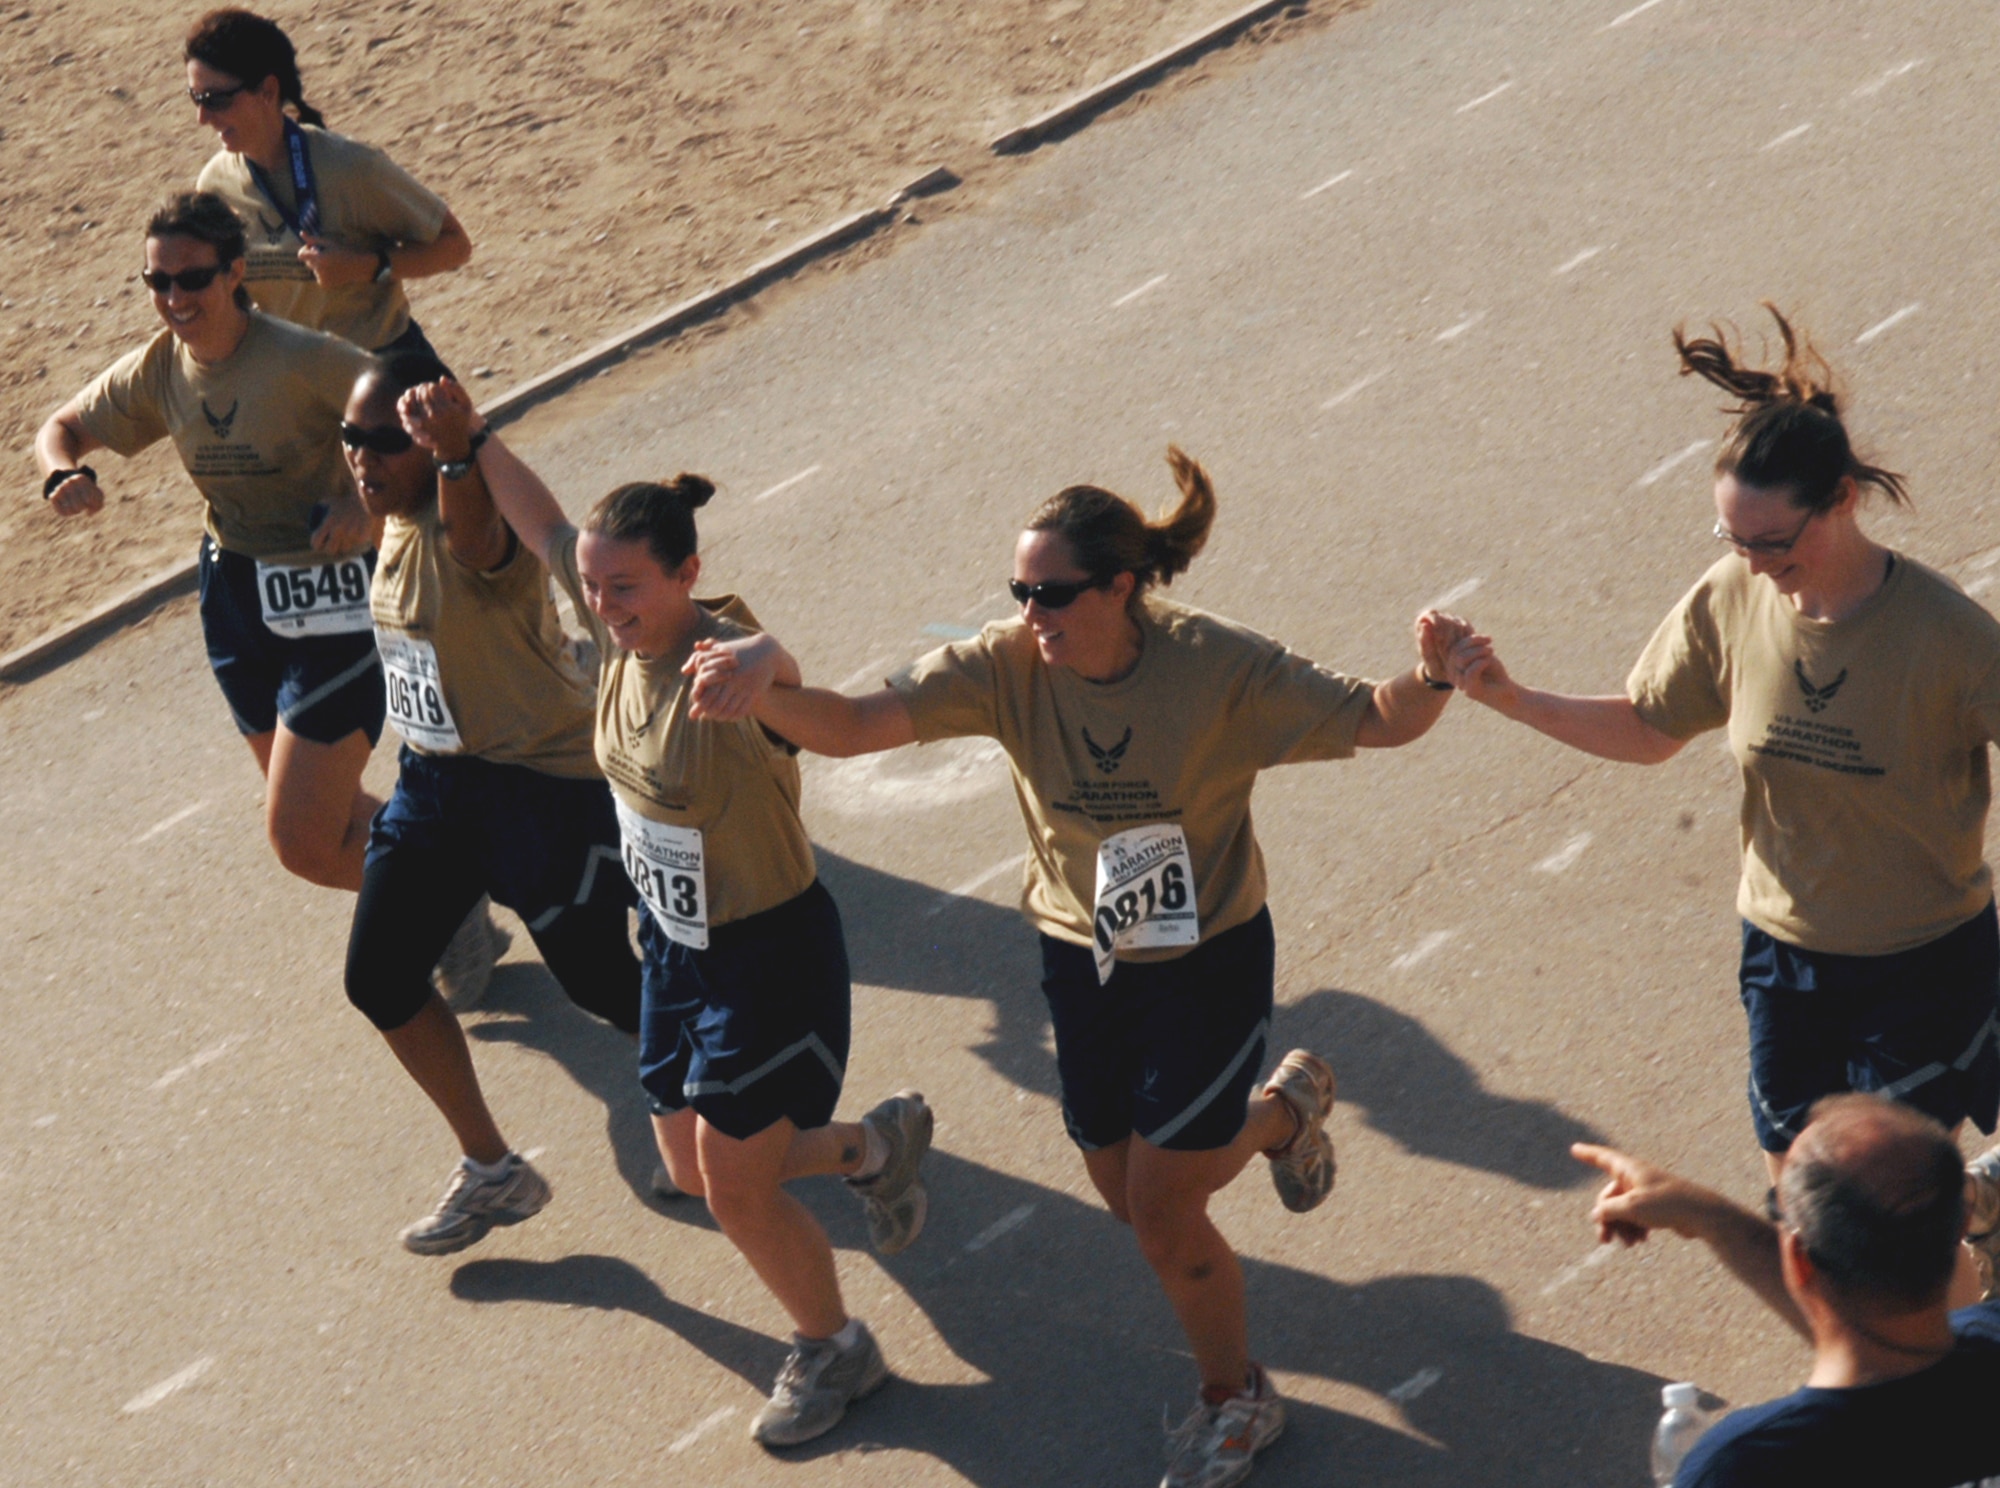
(1681, 1426)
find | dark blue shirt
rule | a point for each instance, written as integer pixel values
(1937, 1428)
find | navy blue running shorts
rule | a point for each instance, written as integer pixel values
(753, 1028)
(1167, 1050)
(323, 688)
(1920, 1026)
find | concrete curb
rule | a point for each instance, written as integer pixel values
(56, 646)
(1065, 117)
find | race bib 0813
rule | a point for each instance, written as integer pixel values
(1145, 894)
(302, 599)
(665, 865)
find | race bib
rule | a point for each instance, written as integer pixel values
(1145, 894)
(665, 865)
(416, 693)
(315, 598)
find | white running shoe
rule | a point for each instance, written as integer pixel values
(473, 1205)
(1982, 1218)
(466, 967)
(818, 1382)
(895, 1199)
(1215, 1445)
(1303, 1169)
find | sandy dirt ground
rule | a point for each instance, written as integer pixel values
(608, 157)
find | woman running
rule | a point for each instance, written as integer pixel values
(336, 225)
(253, 406)
(498, 792)
(1860, 690)
(1136, 728)
(743, 1028)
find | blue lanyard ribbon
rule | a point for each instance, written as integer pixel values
(304, 222)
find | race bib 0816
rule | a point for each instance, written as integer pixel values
(302, 599)
(1145, 894)
(665, 865)
(416, 693)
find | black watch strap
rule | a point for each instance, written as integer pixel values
(460, 469)
(57, 477)
(1433, 683)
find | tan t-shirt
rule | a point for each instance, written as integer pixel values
(1862, 744)
(1177, 742)
(259, 433)
(731, 782)
(366, 201)
(476, 662)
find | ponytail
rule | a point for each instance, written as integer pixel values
(250, 49)
(1788, 433)
(1107, 535)
(661, 515)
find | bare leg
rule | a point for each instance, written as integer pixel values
(775, 1232)
(432, 1048)
(315, 811)
(836, 1148)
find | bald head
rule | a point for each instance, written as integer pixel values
(1876, 1192)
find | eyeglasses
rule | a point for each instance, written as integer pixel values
(216, 99)
(1765, 547)
(388, 439)
(1054, 594)
(194, 281)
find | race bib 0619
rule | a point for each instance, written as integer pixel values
(416, 693)
(665, 865)
(302, 599)
(1145, 894)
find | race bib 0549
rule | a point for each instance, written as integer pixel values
(302, 599)
(416, 693)
(665, 864)
(1145, 894)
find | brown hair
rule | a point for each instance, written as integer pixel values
(250, 49)
(1788, 434)
(1108, 535)
(206, 218)
(661, 515)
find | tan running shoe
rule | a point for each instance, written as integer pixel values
(466, 967)
(1303, 1169)
(1982, 1218)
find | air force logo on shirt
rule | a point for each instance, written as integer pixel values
(1108, 759)
(1817, 698)
(220, 423)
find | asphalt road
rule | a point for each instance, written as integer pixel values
(1404, 282)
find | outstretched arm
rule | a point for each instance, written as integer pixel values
(61, 445)
(526, 504)
(757, 677)
(1609, 727)
(439, 417)
(1405, 707)
(1641, 1198)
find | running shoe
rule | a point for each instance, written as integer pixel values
(466, 966)
(1214, 1446)
(473, 1205)
(1982, 1219)
(664, 1187)
(817, 1384)
(1303, 1169)
(895, 1199)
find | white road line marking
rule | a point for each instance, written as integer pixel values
(173, 821)
(1132, 294)
(1452, 333)
(1013, 1219)
(1672, 463)
(701, 1428)
(206, 1056)
(975, 883)
(1414, 1386)
(1894, 320)
(173, 1384)
(951, 632)
(1351, 389)
(48, 1120)
(787, 483)
(532, 1153)
(1423, 950)
(1636, 10)
(1466, 108)
(1564, 858)
(1788, 136)
(869, 673)
(1323, 185)
(1454, 594)
(1576, 263)
(1869, 89)
(1591, 1262)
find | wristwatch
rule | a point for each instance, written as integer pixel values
(56, 477)
(384, 270)
(460, 469)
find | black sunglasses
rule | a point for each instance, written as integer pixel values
(194, 281)
(216, 98)
(389, 439)
(1053, 594)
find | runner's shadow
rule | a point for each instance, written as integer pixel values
(910, 937)
(1419, 1093)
